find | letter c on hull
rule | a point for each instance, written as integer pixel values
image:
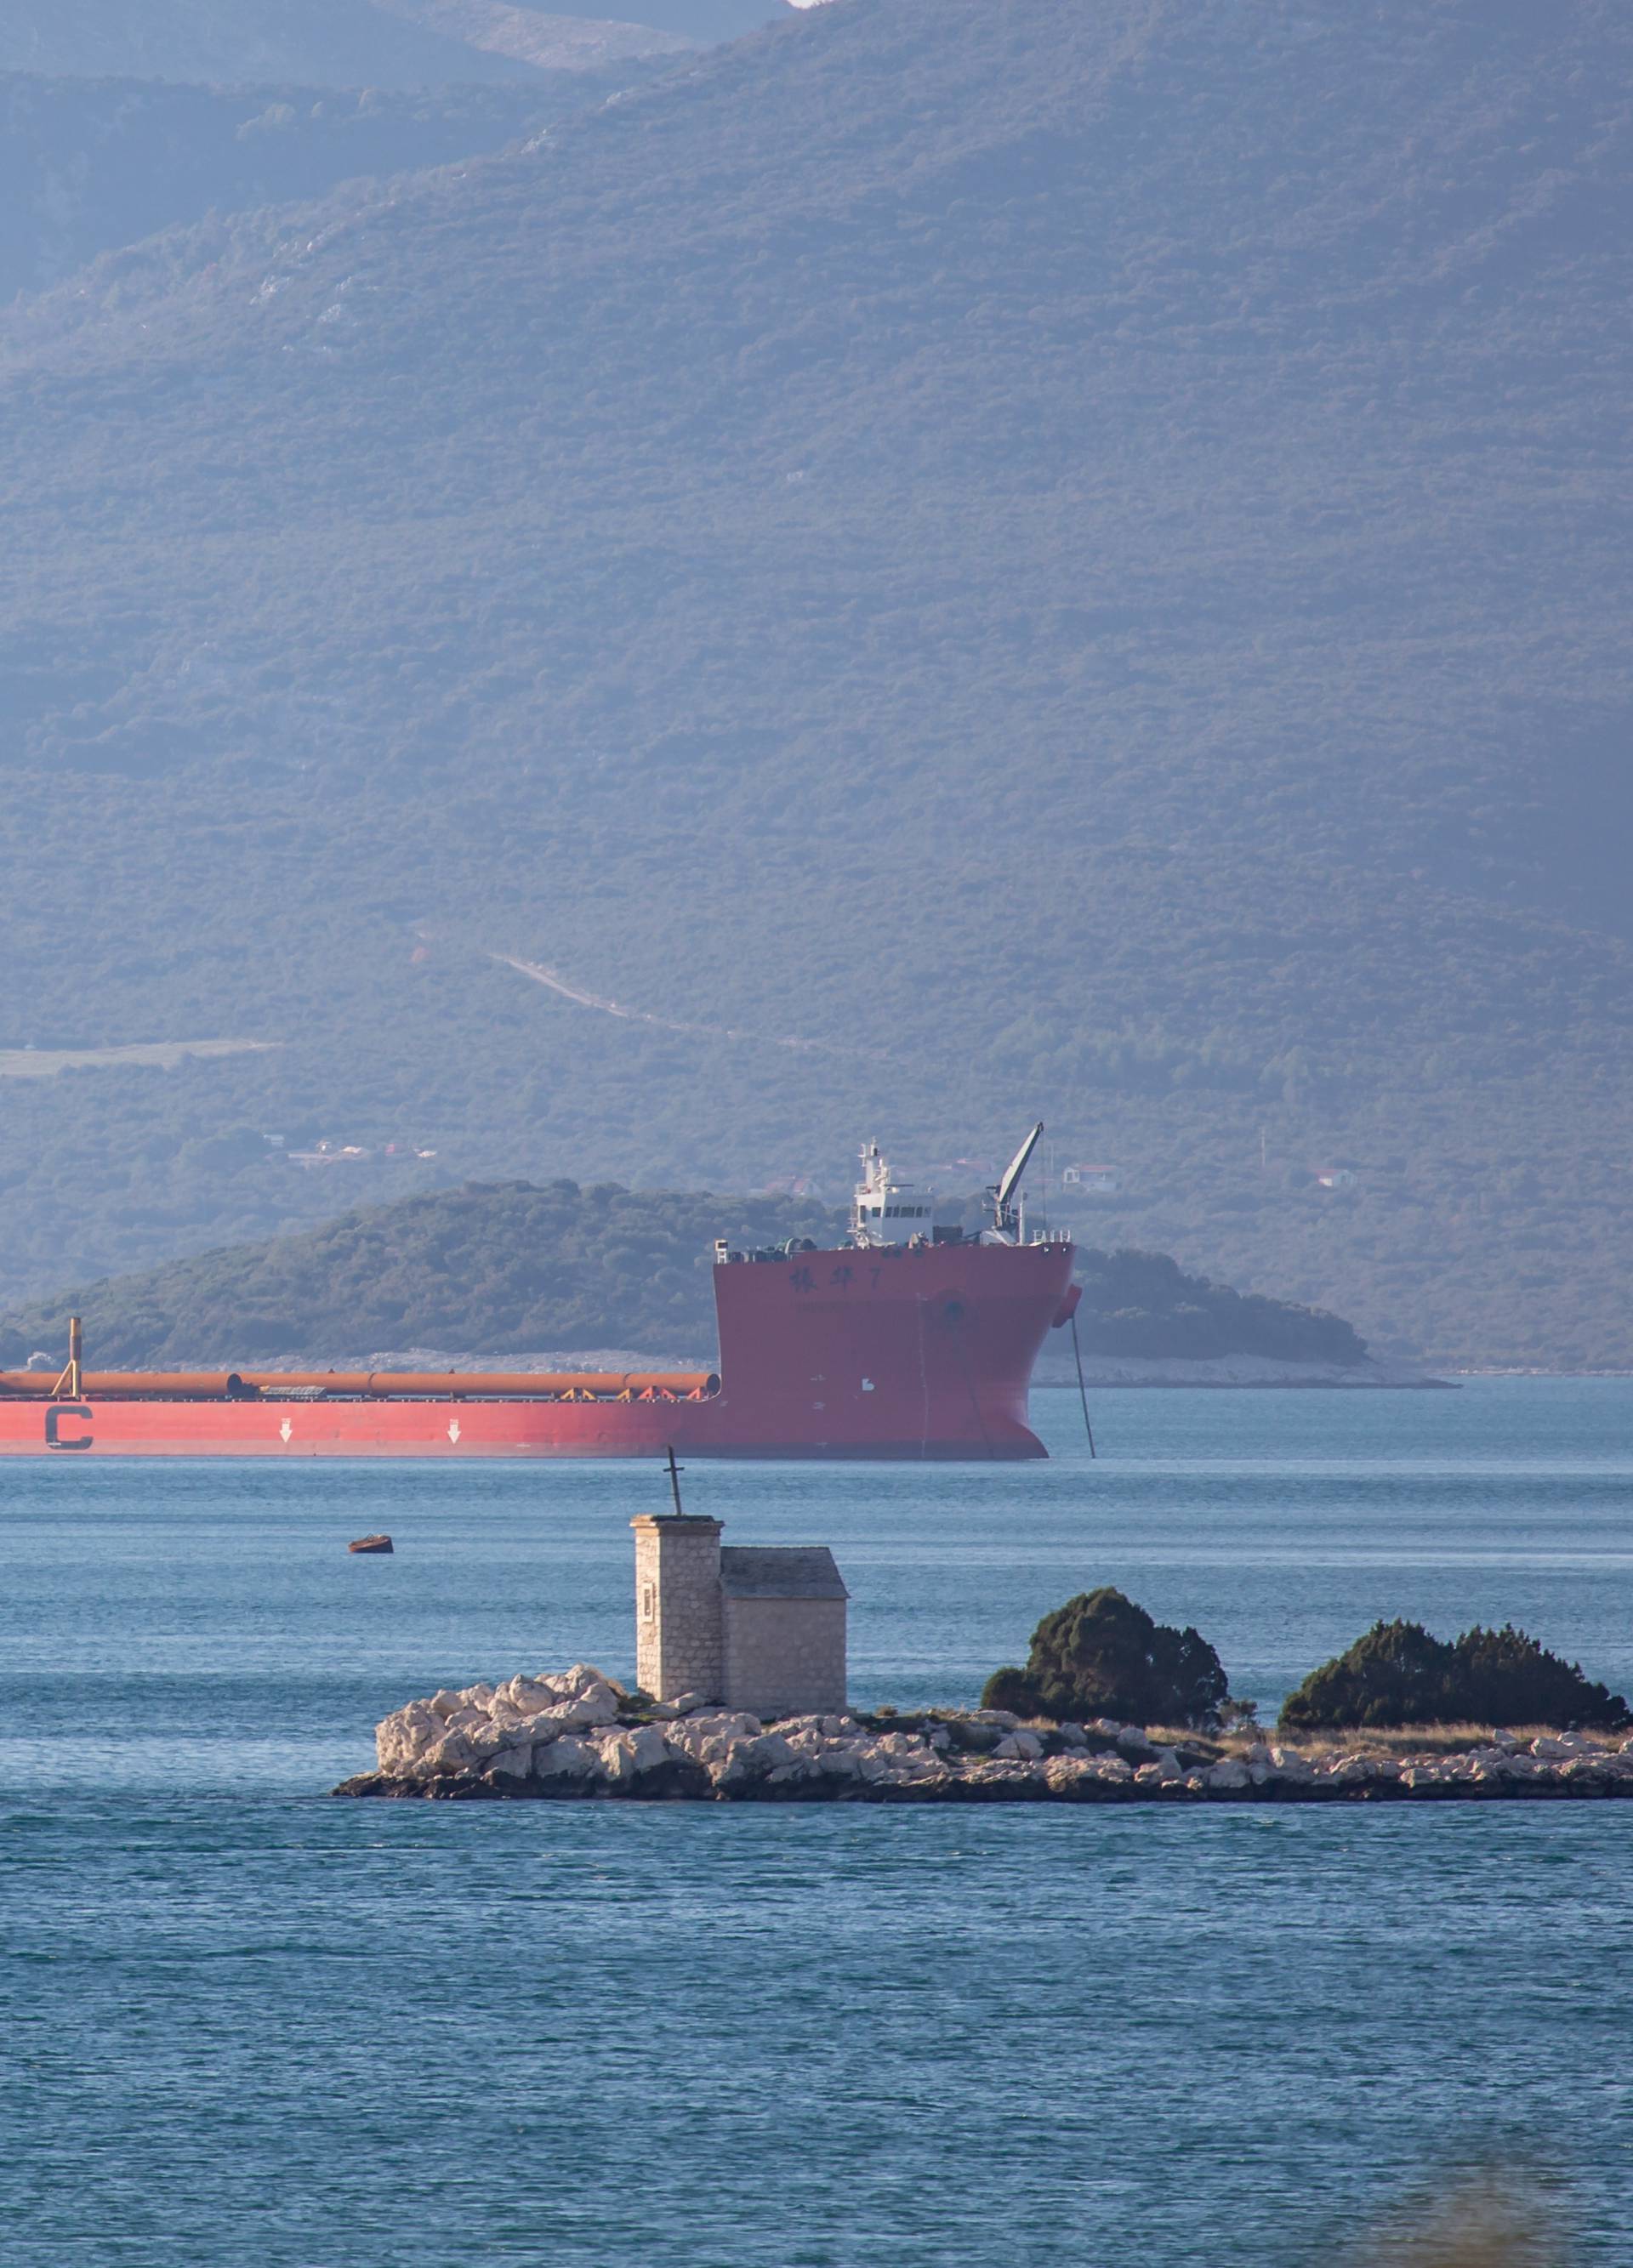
(55, 1438)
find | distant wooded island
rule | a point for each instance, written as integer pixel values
(509, 1269)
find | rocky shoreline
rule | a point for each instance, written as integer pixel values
(1102, 1371)
(579, 1735)
(1054, 1369)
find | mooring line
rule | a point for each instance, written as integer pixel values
(1082, 1391)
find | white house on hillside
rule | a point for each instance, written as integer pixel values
(1098, 1180)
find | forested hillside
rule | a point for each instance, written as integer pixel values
(968, 561)
(351, 43)
(88, 165)
(515, 1271)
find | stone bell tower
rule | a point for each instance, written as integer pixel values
(677, 1605)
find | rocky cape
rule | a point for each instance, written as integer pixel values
(580, 1734)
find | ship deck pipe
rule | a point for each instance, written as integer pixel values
(383, 1385)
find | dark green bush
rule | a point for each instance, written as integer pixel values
(1398, 1674)
(1100, 1656)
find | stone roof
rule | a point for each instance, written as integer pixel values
(797, 1571)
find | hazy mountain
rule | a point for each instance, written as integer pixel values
(351, 43)
(1071, 557)
(707, 21)
(88, 165)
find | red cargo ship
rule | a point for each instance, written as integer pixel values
(910, 1341)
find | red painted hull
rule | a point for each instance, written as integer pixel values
(843, 1353)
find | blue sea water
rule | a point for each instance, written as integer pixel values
(240, 2022)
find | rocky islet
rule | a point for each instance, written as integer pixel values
(578, 1734)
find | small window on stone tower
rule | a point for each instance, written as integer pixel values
(648, 1601)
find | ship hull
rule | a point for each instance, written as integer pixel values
(842, 1353)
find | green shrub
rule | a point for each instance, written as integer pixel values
(1399, 1674)
(1100, 1656)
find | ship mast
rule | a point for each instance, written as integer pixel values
(68, 1384)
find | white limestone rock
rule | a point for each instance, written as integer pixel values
(707, 1736)
(406, 1735)
(739, 1761)
(627, 1755)
(1226, 1777)
(453, 1753)
(1290, 1764)
(581, 1710)
(875, 1765)
(1586, 1772)
(802, 1769)
(742, 1758)
(1013, 1772)
(583, 1677)
(1352, 1771)
(570, 1757)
